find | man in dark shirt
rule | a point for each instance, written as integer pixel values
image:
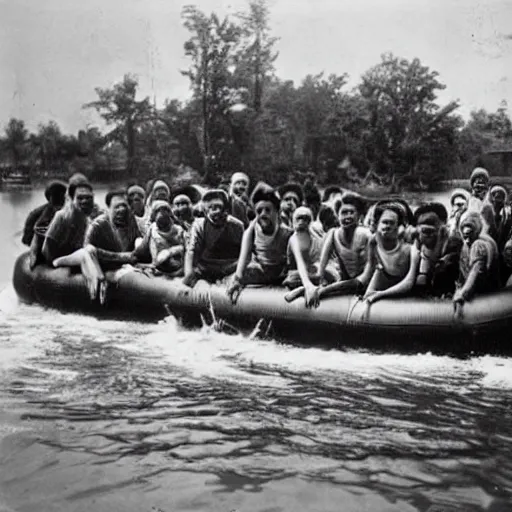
(55, 194)
(214, 242)
(63, 244)
(113, 233)
(66, 231)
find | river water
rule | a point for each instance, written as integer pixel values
(116, 416)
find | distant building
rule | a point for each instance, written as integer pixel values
(500, 160)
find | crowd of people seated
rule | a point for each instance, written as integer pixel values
(315, 245)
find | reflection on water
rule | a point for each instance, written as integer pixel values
(153, 403)
(108, 415)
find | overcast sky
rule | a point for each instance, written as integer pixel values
(54, 52)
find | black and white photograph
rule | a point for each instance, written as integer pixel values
(256, 256)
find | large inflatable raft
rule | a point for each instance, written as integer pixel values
(408, 323)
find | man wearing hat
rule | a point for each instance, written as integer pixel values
(214, 242)
(182, 200)
(292, 197)
(55, 194)
(239, 207)
(262, 258)
(136, 197)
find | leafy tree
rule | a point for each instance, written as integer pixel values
(118, 106)
(49, 140)
(16, 140)
(255, 53)
(404, 119)
(483, 131)
(211, 50)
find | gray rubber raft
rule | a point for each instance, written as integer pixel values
(402, 324)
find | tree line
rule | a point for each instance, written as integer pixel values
(389, 129)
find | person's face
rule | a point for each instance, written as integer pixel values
(266, 215)
(348, 215)
(84, 200)
(182, 208)
(301, 221)
(480, 186)
(240, 187)
(387, 226)
(161, 193)
(459, 204)
(163, 219)
(469, 235)
(289, 202)
(119, 210)
(498, 200)
(427, 235)
(136, 202)
(216, 211)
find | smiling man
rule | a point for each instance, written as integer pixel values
(66, 231)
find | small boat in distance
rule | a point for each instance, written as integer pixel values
(15, 180)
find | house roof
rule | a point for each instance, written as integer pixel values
(499, 150)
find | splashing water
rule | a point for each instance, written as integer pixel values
(250, 415)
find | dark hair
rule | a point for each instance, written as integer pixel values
(327, 217)
(355, 200)
(264, 192)
(119, 192)
(330, 190)
(79, 184)
(55, 190)
(292, 187)
(394, 207)
(432, 207)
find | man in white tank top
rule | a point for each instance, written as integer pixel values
(262, 258)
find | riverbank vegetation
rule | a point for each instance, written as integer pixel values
(389, 130)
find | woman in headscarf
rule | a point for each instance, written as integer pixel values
(164, 242)
(479, 182)
(459, 200)
(158, 190)
(136, 197)
(478, 264)
(502, 215)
